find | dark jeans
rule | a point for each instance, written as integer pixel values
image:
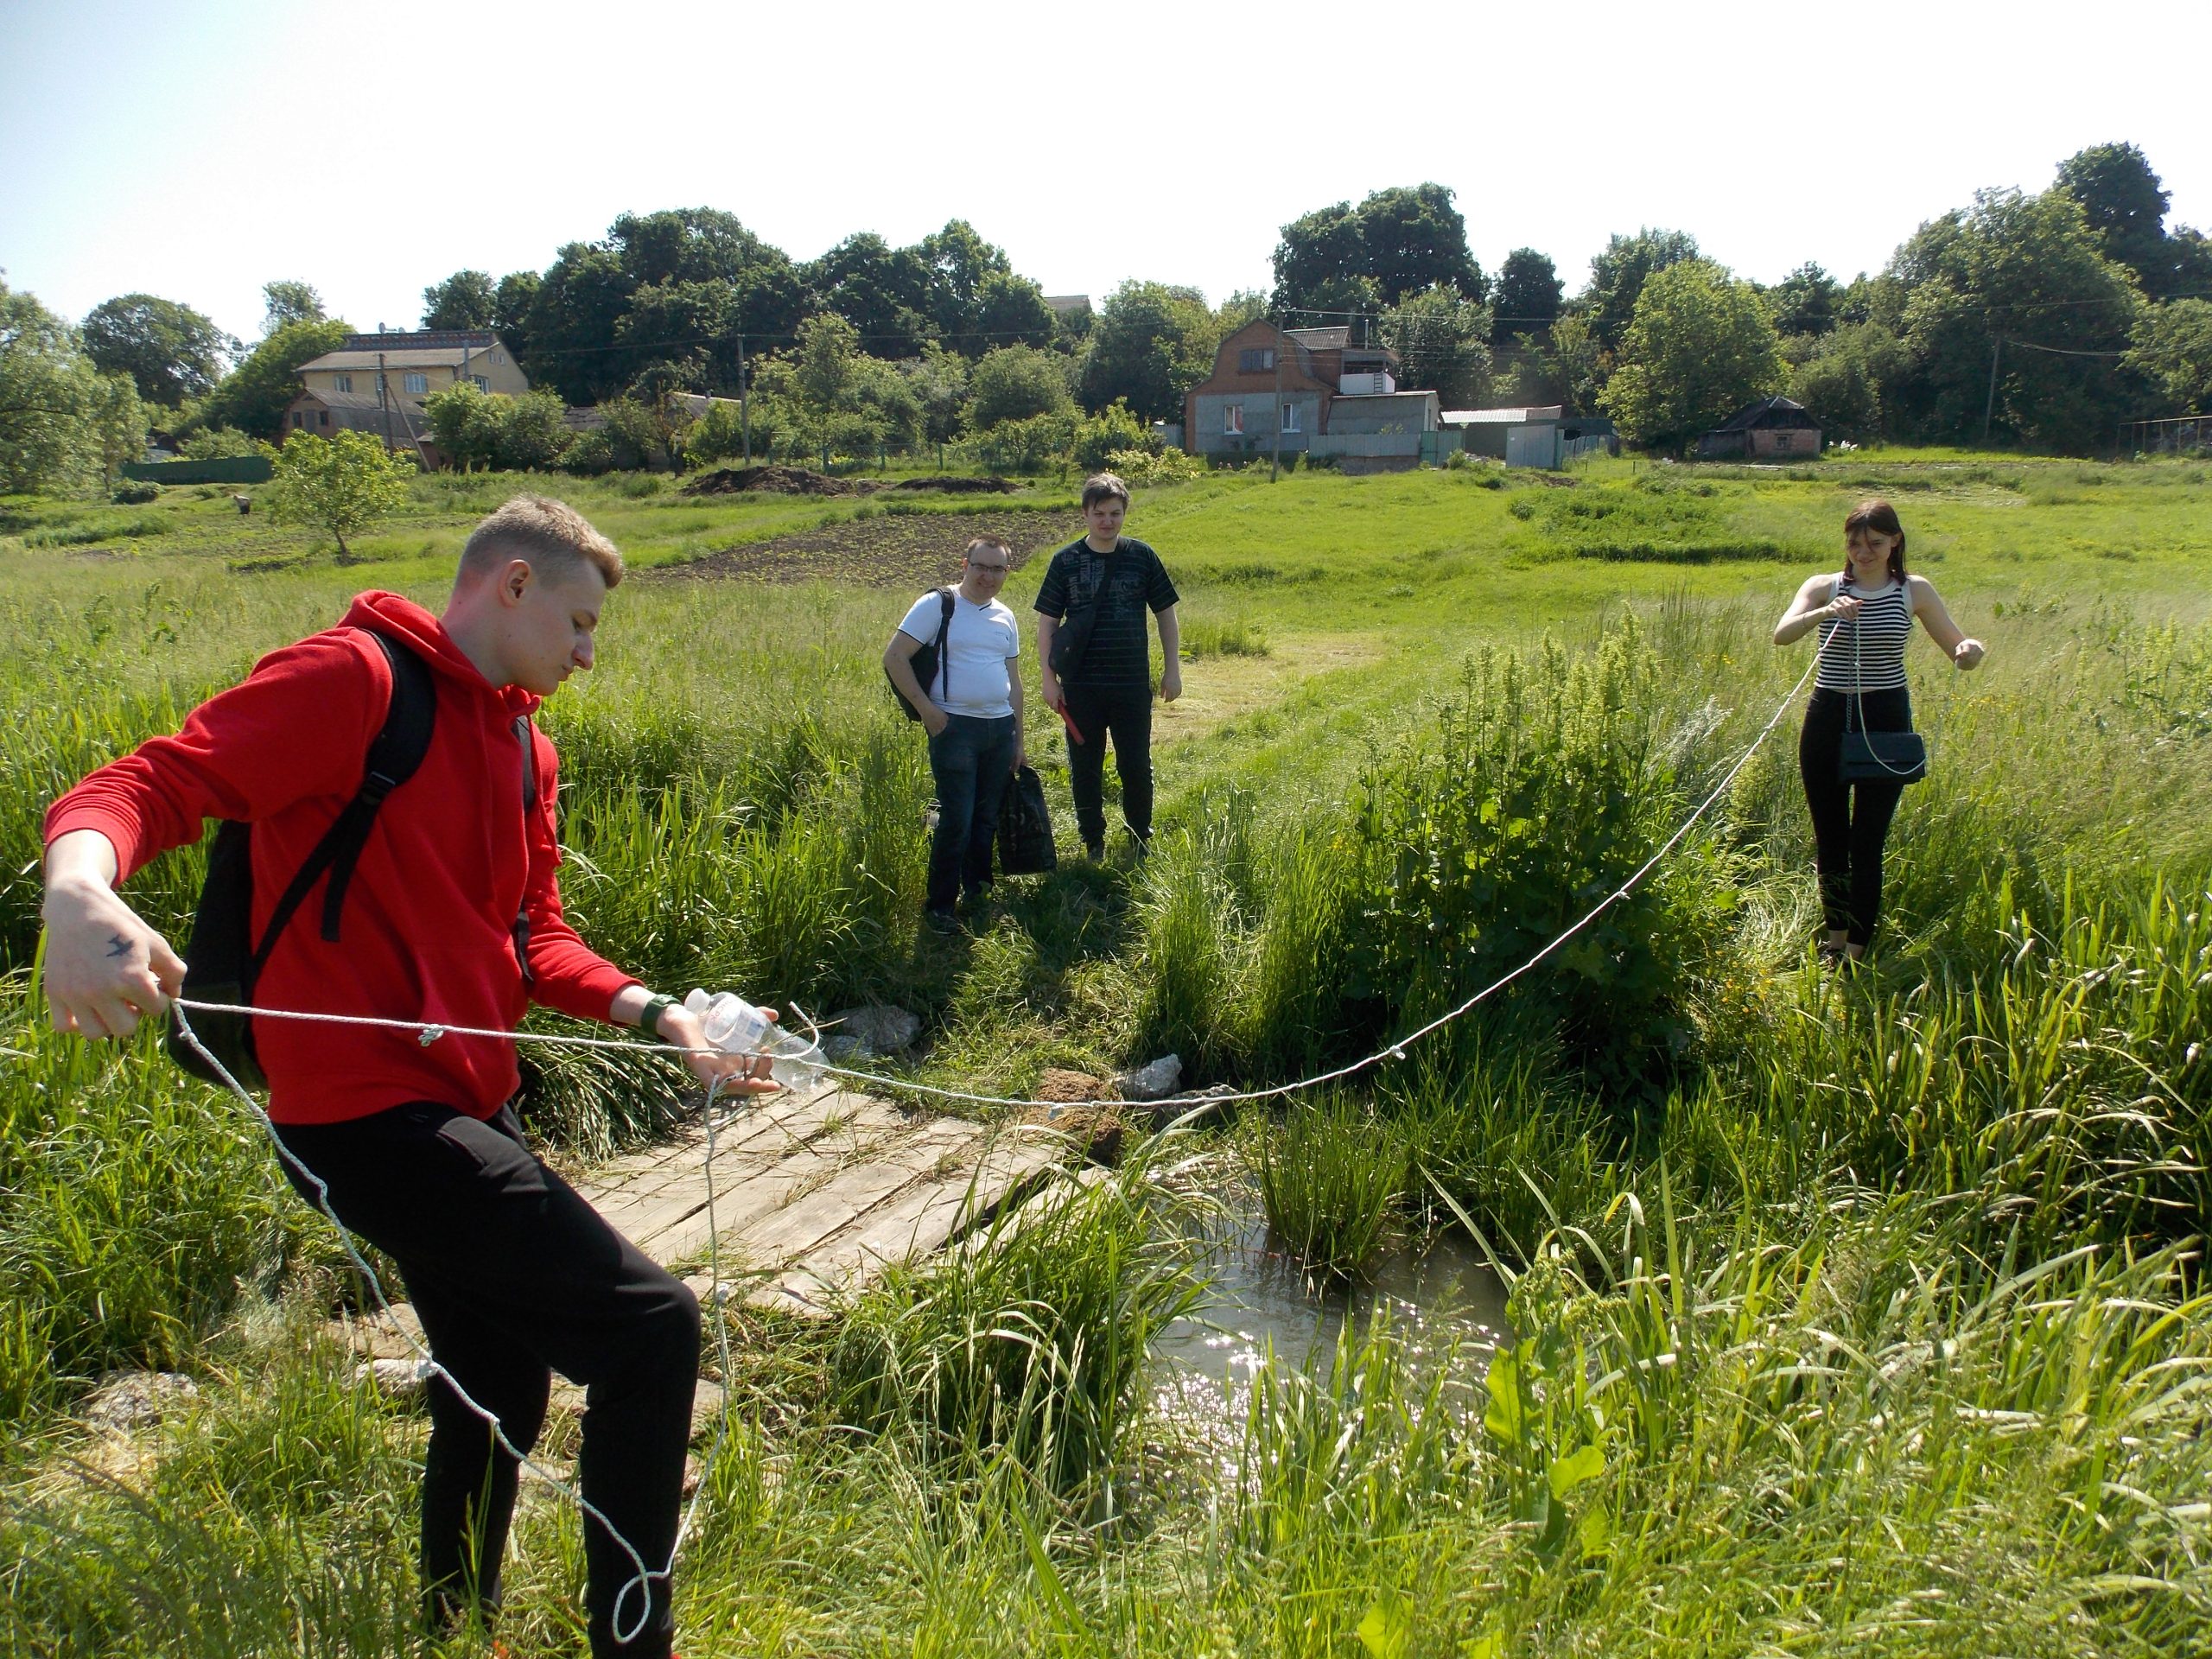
(1123, 713)
(970, 759)
(515, 1276)
(1850, 821)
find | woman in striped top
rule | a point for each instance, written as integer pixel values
(1865, 616)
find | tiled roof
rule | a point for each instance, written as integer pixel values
(443, 356)
(405, 339)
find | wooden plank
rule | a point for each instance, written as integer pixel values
(775, 1239)
(677, 1228)
(626, 1171)
(915, 1221)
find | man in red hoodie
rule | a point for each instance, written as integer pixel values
(512, 1274)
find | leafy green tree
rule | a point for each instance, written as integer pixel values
(1618, 277)
(288, 303)
(2173, 349)
(2125, 203)
(1529, 292)
(61, 420)
(1011, 311)
(1031, 445)
(253, 395)
(1151, 344)
(1841, 380)
(341, 485)
(169, 351)
(220, 443)
(1700, 347)
(938, 380)
(1567, 370)
(2018, 269)
(1442, 339)
(1397, 242)
(476, 428)
(1805, 301)
(828, 361)
(1014, 383)
(883, 291)
(464, 300)
(510, 304)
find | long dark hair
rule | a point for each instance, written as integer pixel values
(1879, 516)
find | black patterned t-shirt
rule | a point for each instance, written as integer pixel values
(1124, 584)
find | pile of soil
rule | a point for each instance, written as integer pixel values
(773, 480)
(950, 485)
(906, 549)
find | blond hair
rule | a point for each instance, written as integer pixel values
(552, 535)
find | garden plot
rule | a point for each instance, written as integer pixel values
(888, 549)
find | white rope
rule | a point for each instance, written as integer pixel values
(429, 1032)
(642, 1577)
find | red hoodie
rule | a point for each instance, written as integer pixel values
(426, 933)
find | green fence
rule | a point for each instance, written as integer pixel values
(231, 469)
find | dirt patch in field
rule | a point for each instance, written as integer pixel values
(802, 480)
(902, 549)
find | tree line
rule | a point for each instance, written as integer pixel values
(2044, 319)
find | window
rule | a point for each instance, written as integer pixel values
(341, 383)
(298, 419)
(1290, 417)
(323, 419)
(1232, 420)
(496, 358)
(1258, 361)
(482, 384)
(417, 383)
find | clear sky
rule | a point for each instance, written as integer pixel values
(197, 151)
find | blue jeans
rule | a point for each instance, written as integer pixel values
(970, 759)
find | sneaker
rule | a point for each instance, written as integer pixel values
(1094, 851)
(941, 921)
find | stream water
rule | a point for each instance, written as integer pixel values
(1445, 1304)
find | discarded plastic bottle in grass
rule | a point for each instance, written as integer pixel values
(736, 1027)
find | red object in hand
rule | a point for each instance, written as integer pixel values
(1075, 732)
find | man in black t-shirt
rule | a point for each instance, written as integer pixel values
(1103, 584)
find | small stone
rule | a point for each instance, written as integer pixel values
(872, 1031)
(1155, 1082)
(1067, 1087)
(1191, 1106)
(401, 1379)
(129, 1399)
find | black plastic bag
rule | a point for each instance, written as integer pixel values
(1025, 826)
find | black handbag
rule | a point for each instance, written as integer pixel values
(1872, 757)
(1073, 639)
(927, 659)
(1024, 838)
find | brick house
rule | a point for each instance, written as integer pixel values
(1336, 398)
(1773, 429)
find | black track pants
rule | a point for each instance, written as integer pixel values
(1124, 714)
(515, 1276)
(1850, 821)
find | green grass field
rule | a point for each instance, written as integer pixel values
(1859, 1314)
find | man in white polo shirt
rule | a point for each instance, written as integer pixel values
(972, 710)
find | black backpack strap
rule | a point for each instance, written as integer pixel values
(398, 750)
(944, 633)
(520, 930)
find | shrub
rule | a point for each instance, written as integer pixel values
(137, 495)
(1144, 466)
(218, 444)
(1113, 430)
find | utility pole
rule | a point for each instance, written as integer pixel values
(1989, 403)
(744, 402)
(1274, 463)
(384, 403)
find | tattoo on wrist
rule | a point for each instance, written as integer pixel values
(118, 946)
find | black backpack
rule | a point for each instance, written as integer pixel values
(222, 964)
(928, 660)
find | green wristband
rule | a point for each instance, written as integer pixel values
(649, 1016)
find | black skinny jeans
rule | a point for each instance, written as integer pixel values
(1124, 714)
(515, 1276)
(969, 761)
(1850, 821)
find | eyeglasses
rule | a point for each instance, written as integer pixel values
(987, 569)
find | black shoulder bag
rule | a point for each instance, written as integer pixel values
(221, 961)
(929, 660)
(1867, 757)
(1072, 638)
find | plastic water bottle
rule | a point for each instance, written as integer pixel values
(736, 1027)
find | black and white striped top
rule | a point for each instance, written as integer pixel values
(1867, 653)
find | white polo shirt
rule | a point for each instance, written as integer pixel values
(982, 639)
